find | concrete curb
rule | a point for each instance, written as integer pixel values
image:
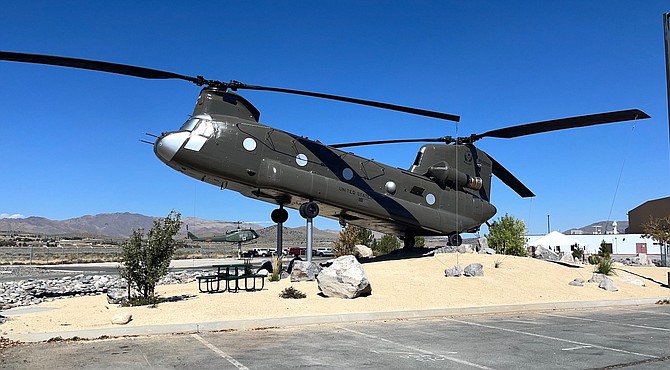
(257, 323)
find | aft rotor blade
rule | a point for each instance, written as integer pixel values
(446, 139)
(510, 180)
(95, 65)
(564, 123)
(421, 112)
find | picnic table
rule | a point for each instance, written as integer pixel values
(231, 274)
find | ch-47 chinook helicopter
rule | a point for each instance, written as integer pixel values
(446, 191)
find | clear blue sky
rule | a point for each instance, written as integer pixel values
(70, 137)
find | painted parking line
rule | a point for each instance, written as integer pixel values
(219, 352)
(551, 338)
(574, 348)
(418, 354)
(606, 322)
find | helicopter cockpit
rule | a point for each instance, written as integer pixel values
(203, 122)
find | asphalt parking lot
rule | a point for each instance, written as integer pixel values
(621, 337)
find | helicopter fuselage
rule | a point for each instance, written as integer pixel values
(224, 144)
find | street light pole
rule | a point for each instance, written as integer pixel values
(548, 225)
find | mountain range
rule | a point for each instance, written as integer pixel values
(600, 227)
(121, 226)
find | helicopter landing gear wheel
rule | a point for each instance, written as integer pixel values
(279, 216)
(455, 240)
(309, 210)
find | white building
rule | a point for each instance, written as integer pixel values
(623, 245)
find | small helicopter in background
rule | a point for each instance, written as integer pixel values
(237, 235)
(445, 191)
(232, 236)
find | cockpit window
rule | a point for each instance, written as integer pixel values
(193, 121)
(417, 160)
(189, 125)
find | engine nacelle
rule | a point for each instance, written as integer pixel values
(448, 176)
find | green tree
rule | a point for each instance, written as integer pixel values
(658, 229)
(344, 245)
(507, 235)
(386, 245)
(146, 260)
(364, 236)
(349, 237)
(605, 249)
(419, 242)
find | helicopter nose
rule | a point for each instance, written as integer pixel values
(168, 145)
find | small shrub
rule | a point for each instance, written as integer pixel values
(605, 267)
(605, 250)
(578, 254)
(293, 293)
(497, 264)
(594, 259)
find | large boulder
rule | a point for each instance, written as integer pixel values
(567, 257)
(454, 249)
(481, 244)
(597, 278)
(545, 254)
(362, 251)
(455, 271)
(608, 285)
(122, 318)
(474, 269)
(344, 278)
(117, 296)
(304, 271)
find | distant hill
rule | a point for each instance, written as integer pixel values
(600, 227)
(121, 226)
(113, 225)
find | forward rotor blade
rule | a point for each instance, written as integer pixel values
(421, 112)
(446, 139)
(510, 180)
(124, 69)
(95, 65)
(564, 123)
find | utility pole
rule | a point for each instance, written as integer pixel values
(666, 31)
(548, 225)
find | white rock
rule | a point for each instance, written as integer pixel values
(122, 319)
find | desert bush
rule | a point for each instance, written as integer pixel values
(387, 244)
(605, 266)
(594, 259)
(292, 293)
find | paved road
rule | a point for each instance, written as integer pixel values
(621, 337)
(58, 271)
